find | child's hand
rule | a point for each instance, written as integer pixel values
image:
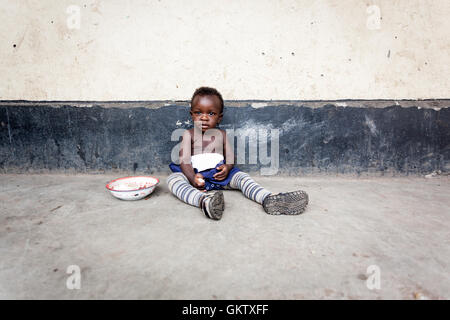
(223, 172)
(199, 183)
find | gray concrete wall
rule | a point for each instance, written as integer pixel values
(357, 137)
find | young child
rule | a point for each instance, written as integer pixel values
(205, 167)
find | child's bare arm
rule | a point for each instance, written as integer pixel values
(229, 157)
(195, 179)
(229, 152)
(185, 162)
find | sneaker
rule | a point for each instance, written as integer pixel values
(213, 205)
(290, 203)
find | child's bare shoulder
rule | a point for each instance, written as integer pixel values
(188, 133)
(223, 133)
(191, 131)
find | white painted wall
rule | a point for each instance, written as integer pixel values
(253, 49)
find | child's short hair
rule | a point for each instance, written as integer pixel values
(208, 91)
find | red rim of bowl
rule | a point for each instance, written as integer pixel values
(109, 188)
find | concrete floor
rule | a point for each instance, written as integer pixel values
(161, 248)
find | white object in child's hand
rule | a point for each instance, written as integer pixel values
(204, 161)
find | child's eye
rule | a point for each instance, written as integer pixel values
(212, 113)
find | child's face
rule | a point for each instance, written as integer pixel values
(206, 109)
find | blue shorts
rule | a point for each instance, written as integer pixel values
(210, 182)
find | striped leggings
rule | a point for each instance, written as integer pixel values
(179, 185)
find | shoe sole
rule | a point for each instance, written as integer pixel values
(289, 203)
(217, 205)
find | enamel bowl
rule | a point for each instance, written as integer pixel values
(132, 188)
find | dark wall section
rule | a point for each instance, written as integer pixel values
(136, 139)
